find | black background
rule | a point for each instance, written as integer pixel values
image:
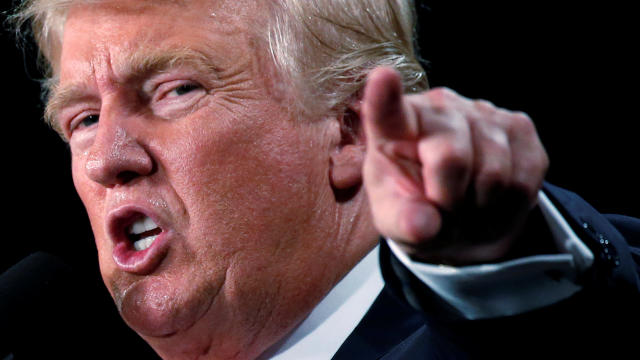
(572, 69)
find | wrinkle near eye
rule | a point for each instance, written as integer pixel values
(178, 102)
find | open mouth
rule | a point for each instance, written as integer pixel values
(142, 233)
(140, 244)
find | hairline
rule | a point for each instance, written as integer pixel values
(310, 90)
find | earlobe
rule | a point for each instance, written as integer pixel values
(348, 158)
(346, 167)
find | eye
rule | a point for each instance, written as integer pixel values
(82, 122)
(172, 99)
(181, 90)
(89, 120)
(184, 89)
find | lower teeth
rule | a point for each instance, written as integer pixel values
(144, 244)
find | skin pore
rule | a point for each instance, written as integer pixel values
(171, 117)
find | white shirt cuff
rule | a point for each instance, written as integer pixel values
(511, 287)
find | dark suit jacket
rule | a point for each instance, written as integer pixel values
(409, 321)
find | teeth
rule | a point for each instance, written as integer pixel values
(143, 232)
(144, 244)
(142, 225)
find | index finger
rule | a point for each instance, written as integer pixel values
(384, 113)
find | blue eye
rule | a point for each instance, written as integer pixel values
(90, 120)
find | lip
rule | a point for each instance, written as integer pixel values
(125, 256)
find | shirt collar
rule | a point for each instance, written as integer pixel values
(324, 330)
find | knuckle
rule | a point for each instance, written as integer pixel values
(521, 115)
(495, 140)
(439, 107)
(453, 159)
(503, 116)
(495, 171)
(522, 122)
(443, 91)
(484, 106)
(440, 99)
(422, 98)
(493, 177)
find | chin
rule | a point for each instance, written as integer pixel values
(163, 305)
(207, 339)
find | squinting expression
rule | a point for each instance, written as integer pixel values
(197, 180)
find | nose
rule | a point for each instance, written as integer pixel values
(117, 154)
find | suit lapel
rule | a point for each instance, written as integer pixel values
(387, 323)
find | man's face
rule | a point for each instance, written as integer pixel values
(196, 162)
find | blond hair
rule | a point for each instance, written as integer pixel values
(322, 49)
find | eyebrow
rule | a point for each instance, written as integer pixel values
(142, 63)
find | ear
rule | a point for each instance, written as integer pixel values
(348, 157)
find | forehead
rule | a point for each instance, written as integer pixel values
(111, 30)
(219, 10)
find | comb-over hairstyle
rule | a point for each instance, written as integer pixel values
(321, 49)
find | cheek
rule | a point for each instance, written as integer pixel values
(89, 193)
(92, 196)
(251, 182)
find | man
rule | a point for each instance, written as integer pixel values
(234, 176)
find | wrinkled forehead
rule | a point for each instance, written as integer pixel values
(170, 8)
(153, 18)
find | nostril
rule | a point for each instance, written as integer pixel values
(126, 176)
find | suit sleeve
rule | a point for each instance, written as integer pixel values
(614, 241)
